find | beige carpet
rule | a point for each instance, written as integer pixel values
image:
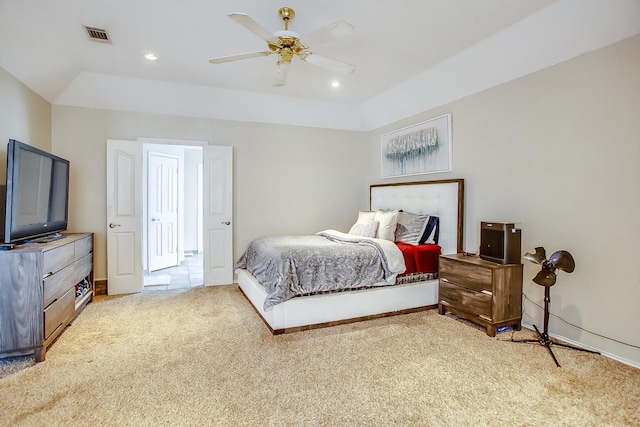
(203, 357)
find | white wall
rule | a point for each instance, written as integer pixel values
(24, 116)
(558, 151)
(287, 180)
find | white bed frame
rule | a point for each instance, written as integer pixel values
(444, 198)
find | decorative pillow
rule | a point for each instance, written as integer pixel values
(387, 227)
(410, 227)
(431, 232)
(365, 229)
(364, 217)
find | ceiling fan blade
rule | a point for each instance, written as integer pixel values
(282, 70)
(251, 25)
(332, 31)
(328, 63)
(238, 57)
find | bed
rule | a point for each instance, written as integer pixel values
(443, 199)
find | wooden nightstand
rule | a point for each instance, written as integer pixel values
(483, 292)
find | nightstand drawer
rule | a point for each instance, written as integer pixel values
(478, 303)
(469, 276)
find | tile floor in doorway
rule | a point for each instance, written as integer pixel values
(186, 275)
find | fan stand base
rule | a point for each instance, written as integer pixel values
(544, 340)
(543, 337)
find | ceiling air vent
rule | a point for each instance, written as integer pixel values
(98, 34)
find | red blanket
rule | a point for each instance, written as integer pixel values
(420, 258)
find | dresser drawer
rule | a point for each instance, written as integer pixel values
(56, 285)
(57, 258)
(59, 312)
(463, 274)
(467, 300)
(83, 247)
(83, 267)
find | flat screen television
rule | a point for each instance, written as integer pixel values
(37, 194)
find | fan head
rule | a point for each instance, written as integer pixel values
(559, 260)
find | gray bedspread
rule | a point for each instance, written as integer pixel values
(289, 266)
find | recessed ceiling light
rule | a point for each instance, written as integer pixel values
(335, 83)
(150, 56)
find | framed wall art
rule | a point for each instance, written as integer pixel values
(418, 149)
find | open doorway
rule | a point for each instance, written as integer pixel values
(172, 216)
(126, 235)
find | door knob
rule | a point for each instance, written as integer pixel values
(226, 222)
(112, 225)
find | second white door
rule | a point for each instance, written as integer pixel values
(162, 210)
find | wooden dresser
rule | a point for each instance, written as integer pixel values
(42, 288)
(483, 292)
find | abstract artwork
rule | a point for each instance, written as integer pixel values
(418, 149)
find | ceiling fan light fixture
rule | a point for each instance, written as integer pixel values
(151, 56)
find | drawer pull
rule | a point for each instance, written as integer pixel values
(486, 292)
(47, 275)
(444, 279)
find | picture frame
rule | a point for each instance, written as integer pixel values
(417, 149)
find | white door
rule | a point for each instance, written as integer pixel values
(218, 213)
(162, 210)
(124, 217)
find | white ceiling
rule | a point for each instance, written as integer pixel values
(475, 43)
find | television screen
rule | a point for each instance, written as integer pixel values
(37, 193)
(492, 243)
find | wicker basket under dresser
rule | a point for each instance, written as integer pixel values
(483, 292)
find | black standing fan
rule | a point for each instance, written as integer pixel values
(559, 260)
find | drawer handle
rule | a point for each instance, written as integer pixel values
(486, 292)
(47, 275)
(444, 279)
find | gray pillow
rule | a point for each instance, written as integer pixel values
(410, 227)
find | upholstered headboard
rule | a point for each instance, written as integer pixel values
(443, 198)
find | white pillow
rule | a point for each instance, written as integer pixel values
(387, 227)
(364, 217)
(365, 229)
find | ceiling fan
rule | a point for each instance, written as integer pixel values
(287, 44)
